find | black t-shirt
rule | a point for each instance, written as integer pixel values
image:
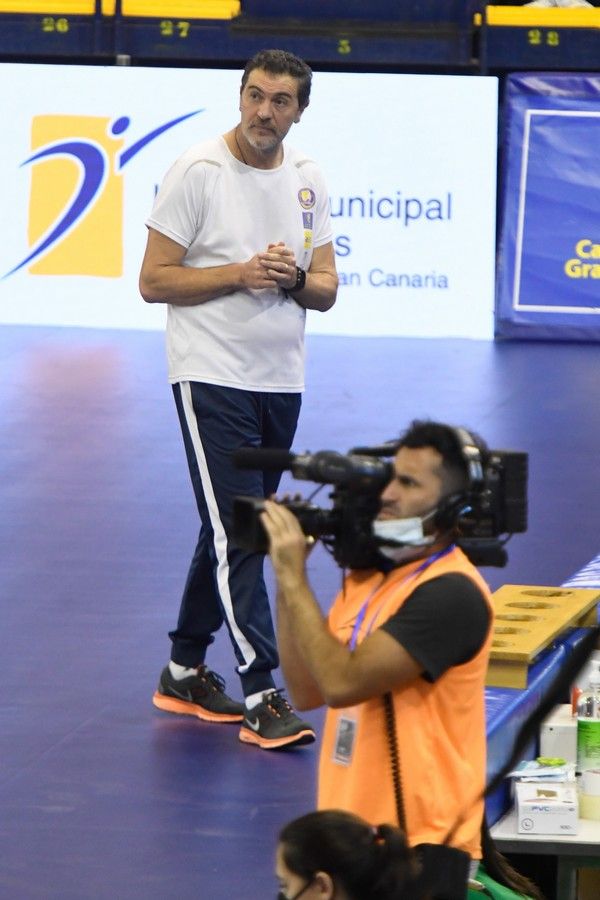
(443, 623)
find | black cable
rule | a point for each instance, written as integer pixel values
(390, 723)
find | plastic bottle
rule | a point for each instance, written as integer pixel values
(588, 723)
(581, 683)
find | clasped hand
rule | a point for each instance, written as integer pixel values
(274, 267)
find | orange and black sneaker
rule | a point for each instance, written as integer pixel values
(273, 724)
(202, 695)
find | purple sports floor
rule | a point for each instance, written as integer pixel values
(102, 797)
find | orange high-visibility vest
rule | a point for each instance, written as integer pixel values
(440, 727)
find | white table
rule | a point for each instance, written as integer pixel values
(573, 851)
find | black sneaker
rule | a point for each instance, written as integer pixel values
(202, 695)
(273, 724)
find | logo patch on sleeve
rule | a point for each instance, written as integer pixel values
(307, 198)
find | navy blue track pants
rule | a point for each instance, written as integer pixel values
(226, 584)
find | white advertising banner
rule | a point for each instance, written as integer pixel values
(410, 163)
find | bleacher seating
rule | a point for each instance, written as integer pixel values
(431, 34)
(529, 37)
(56, 28)
(416, 35)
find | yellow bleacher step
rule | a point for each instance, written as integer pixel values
(528, 619)
(160, 9)
(541, 17)
(49, 7)
(185, 9)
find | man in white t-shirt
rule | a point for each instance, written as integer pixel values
(239, 247)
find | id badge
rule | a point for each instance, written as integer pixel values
(345, 737)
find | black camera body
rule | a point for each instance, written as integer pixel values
(493, 507)
(497, 510)
(345, 528)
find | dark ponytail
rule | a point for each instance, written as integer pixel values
(394, 865)
(367, 863)
(498, 867)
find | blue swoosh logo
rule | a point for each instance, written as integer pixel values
(94, 166)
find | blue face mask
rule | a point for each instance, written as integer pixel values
(281, 895)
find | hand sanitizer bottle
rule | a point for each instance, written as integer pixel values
(588, 724)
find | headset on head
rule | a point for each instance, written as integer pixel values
(456, 505)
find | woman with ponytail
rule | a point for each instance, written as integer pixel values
(334, 854)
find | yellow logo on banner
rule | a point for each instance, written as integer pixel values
(76, 199)
(579, 267)
(85, 170)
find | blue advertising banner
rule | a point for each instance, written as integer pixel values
(548, 285)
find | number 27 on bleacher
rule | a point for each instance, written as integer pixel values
(168, 28)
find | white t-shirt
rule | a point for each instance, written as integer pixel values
(223, 211)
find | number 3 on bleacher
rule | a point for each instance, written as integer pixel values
(344, 46)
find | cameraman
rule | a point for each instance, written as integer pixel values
(418, 629)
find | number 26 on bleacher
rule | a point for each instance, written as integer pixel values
(49, 23)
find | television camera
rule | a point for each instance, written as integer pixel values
(493, 507)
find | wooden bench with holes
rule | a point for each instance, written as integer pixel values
(528, 619)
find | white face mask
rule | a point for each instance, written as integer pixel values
(403, 532)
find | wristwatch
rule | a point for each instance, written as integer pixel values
(300, 281)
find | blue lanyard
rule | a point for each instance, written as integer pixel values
(363, 610)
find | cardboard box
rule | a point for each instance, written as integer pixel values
(546, 808)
